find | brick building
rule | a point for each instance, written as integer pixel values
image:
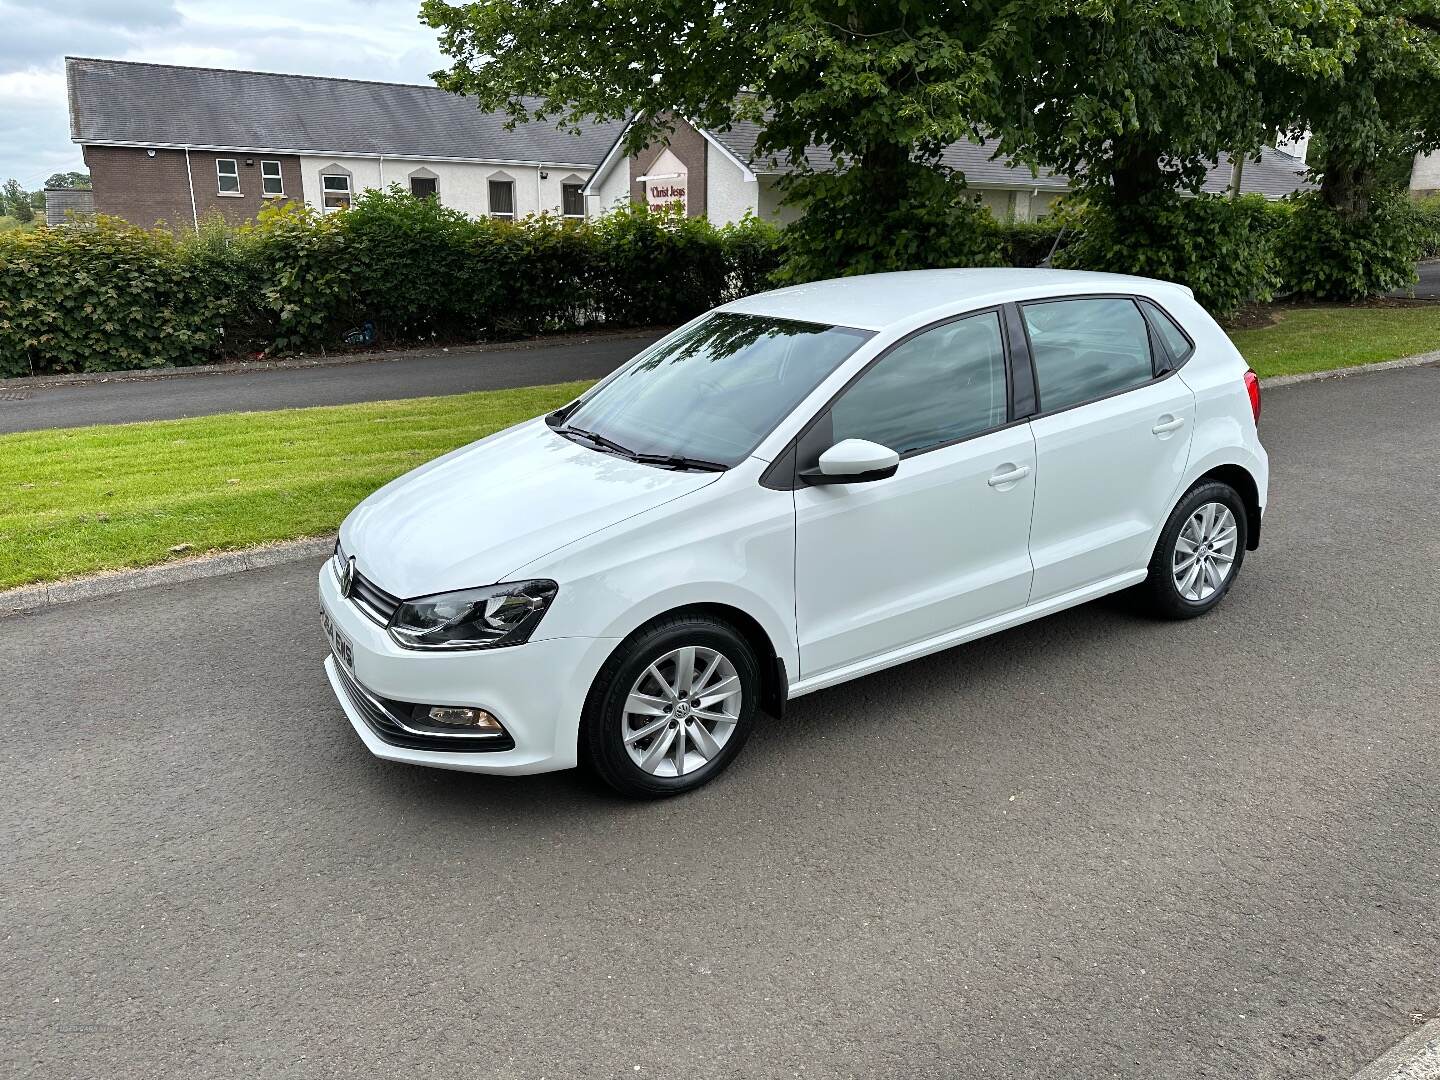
(175, 145)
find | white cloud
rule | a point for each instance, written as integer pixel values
(380, 39)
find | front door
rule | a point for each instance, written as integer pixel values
(942, 543)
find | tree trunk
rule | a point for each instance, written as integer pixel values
(1346, 188)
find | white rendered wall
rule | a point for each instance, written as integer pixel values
(1425, 176)
(728, 195)
(462, 185)
(614, 189)
(769, 203)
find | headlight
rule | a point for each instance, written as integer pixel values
(485, 618)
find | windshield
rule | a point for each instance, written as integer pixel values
(715, 390)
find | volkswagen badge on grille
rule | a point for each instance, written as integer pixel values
(347, 577)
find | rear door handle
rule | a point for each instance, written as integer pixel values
(1011, 476)
(1164, 427)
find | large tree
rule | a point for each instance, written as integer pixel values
(68, 180)
(1381, 103)
(1136, 99)
(883, 85)
(15, 201)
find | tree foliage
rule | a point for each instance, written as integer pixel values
(68, 180)
(15, 201)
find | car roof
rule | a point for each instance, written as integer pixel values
(878, 301)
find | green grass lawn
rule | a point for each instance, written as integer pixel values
(1321, 338)
(84, 499)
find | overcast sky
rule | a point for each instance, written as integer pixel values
(365, 39)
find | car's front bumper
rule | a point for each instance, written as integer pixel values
(536, 690)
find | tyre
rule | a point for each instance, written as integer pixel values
(1199, 553)
(672, 707)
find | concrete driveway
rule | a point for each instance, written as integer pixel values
(416, 374)
(1427, 287)
(1096, 846)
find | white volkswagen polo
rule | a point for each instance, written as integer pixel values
(789, 492)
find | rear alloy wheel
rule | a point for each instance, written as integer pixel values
(672, 707)
(1199, 553)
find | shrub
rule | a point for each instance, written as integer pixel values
(1329, 255)
(1427, 227)
(928, 221)
(1028, 243)
(112, 296)
(1222, 248)
(102, 298)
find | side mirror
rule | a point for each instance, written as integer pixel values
(853, 461)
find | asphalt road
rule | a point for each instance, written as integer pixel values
(1428, 287)
(1093, 847)
(419, 374)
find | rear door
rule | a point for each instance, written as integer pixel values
(1112, 438)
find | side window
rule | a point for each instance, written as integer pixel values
(939, 386)
(1086, 348)
(1175, 340)
(227, 175)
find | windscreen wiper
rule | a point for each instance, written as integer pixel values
(680, 461)
(599, 440)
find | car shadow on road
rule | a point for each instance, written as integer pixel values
(976, 680)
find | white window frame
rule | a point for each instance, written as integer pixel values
(278, 177)
(222, 175)
(489, 193)
(326, 190)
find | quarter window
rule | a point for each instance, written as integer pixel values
(1086, 348)
(227, 174)
(502, 198)
(335, 191)
(942, 385)
(572, 200)
(272, 183)
(1175, 340)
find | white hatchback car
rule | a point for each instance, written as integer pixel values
(788, 492)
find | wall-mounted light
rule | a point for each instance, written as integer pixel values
(544, 175)
(149, 153)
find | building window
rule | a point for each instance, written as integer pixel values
(336, 192)
(424, 187)
(502, 199)
(227, 173)
(272, 184)
(572, 200)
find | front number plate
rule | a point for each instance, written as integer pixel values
(339, 644)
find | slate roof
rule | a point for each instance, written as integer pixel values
(140, 104)
(1275, 174)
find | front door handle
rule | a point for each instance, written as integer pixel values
(1011, 474)
(1164, 427)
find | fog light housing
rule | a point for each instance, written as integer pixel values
(477, 720)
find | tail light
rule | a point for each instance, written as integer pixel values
(1252, 387)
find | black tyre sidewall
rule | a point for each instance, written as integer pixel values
(1165, 597)
(601, 739)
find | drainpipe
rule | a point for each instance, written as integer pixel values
(190, 180)
(382, 172)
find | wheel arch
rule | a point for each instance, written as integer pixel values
(774, 679)
(1241, 479)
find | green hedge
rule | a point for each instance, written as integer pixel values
(111, 297)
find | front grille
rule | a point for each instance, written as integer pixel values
(374, 602)
(390, 719)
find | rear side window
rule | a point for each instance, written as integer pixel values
(1086, 349)
(1170, 333)
(942, 385)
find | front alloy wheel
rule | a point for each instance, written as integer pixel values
(682, 711)
(672, 706)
